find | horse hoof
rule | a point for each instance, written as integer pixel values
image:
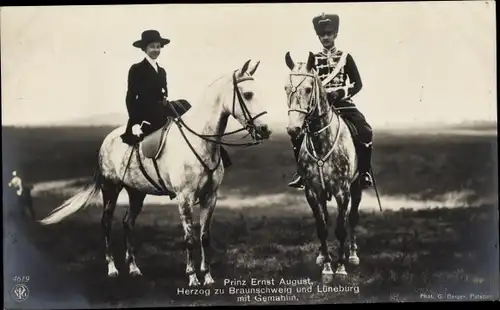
(354, 260)
(320, 260)
(135, 271)
(193, 280)
(208, 279)
(341, 271)
(327, 273)
(113, 274)
(112, 271)
(327, 269)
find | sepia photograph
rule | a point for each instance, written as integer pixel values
(167, 155)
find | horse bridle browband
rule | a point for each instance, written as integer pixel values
(310, 109)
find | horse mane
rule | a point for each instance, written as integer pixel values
(212, 89)
(216, 80)
(321, 89)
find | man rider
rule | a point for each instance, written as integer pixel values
(340, 90)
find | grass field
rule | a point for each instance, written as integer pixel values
(407, 252)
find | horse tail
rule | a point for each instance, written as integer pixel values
(80, 200)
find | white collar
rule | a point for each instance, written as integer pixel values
(330, 51)
(153, 62)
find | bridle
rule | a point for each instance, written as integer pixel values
(313, 104)
(249, 124)
(249, 119)
(311, 116)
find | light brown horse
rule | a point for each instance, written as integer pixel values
(327, 160)
(189, 164)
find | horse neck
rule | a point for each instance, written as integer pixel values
(325, 117)
(208, 118)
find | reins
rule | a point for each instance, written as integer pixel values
(249, 120)
(249, 125)
(308, 133)
(314, 104)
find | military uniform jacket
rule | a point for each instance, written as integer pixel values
(146, 89)
(347, 81)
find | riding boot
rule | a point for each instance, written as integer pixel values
(365, 165)
(297, 181)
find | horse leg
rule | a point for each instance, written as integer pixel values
(186, 214)
(110, 194)
(324, 259)
(136, 201)
(207, 205)
(340, 230)
(356, 194)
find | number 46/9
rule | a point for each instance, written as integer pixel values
(20, 279)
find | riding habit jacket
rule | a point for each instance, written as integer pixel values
(146, 91)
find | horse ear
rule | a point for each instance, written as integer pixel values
(289, 61)
(244, 68)
(311, 62)
(254, 68)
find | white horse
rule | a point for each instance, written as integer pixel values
(187, 165)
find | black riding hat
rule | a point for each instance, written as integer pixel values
(149, 36)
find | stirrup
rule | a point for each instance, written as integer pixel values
(366, 179)
(297, 182)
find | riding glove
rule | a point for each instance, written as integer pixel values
(136, 130)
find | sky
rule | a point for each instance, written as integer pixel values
(420, 62)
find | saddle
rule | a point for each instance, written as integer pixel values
(352, 129)
(350, 125)
(153, 143)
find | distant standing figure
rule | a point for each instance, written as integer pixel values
(23, 193)
(147, 94)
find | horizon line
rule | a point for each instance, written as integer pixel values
(386, 125)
